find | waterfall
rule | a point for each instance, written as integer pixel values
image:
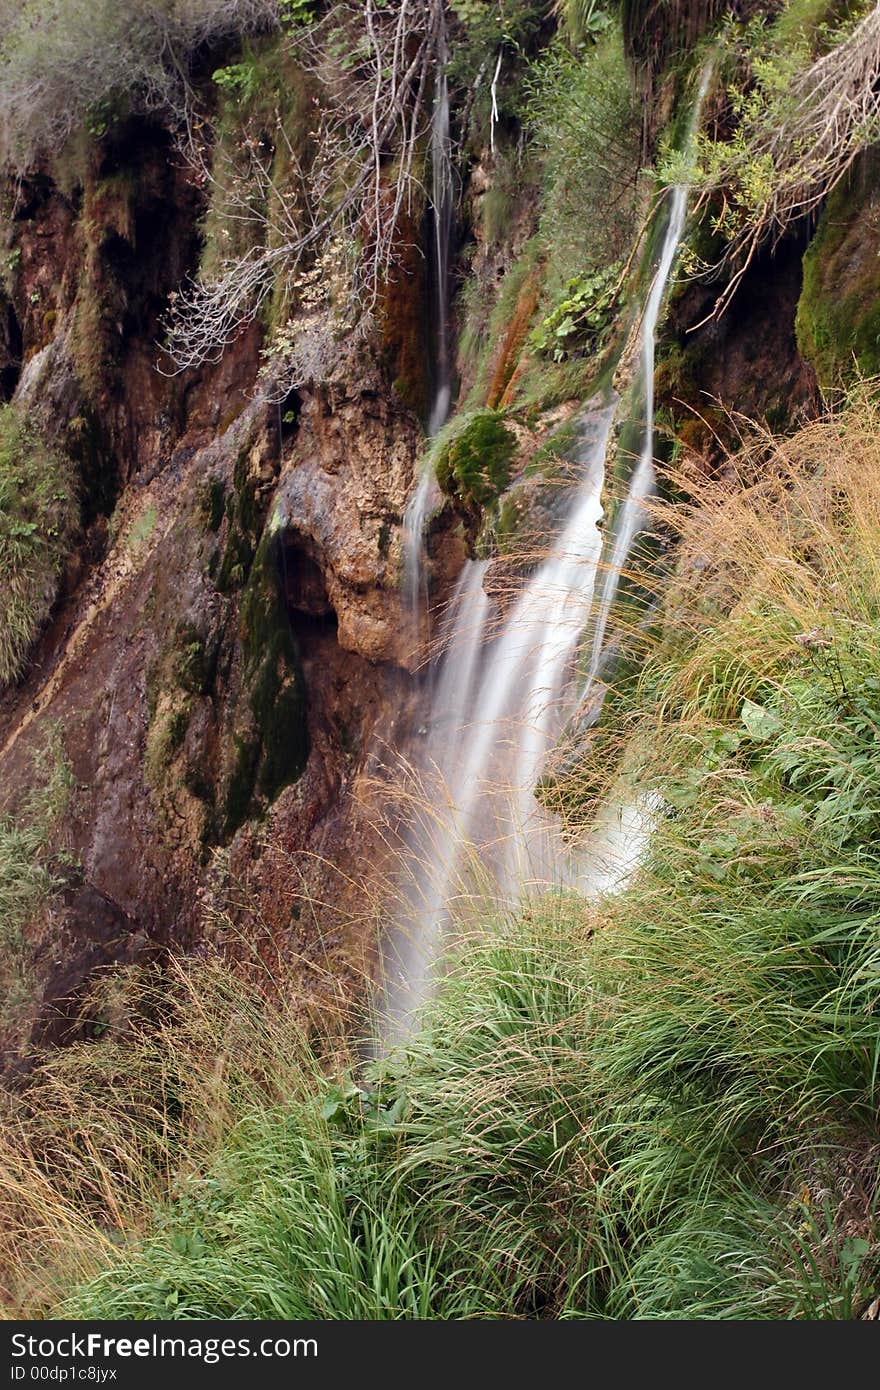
(496, 709)
(425, 494)
(643, 478)
(501, 699)
(416, 514)
(441, 205)
(439, 831)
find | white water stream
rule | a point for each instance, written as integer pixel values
(502, 696)
(427, 494)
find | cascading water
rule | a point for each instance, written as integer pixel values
(496, 710)
(643, 478)
(501, 700)
(441, 203)
(426, 493)
(414, 519)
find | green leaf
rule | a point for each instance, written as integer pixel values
(760, 723)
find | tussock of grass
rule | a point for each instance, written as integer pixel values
(38, 515)
(664, 1107)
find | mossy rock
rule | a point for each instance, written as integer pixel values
(270, 744)
(838, 315)
(212, 503)
(245, 517)
(473, 458)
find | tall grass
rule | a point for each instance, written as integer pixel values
(663, 1106)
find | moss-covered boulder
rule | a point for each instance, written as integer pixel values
(473, 458)
(838, 316)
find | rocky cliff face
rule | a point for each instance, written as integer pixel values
(230, 630)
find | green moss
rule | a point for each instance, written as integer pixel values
(549, 461)
(212, 503)
(485, 318)
(195, 661)
(38, 518)
(245, 522)
(185, 667)
(270, 743)
(529, 512)
(473, 458)
(240, 786)
(165, 735)
(838, 315)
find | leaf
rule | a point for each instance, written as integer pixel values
(760, 723)
(854, 1251)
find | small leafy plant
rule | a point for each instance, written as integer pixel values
(580, 322)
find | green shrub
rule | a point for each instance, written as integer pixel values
(586, 131)
(580, 321)
(584, 122)
(38, 517)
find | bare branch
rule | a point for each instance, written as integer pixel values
(373, 67)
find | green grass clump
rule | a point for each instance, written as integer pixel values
(38, 518)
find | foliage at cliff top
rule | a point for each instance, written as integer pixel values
(800, 102)
(38, 517)
(326, 209)
(67, 64)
